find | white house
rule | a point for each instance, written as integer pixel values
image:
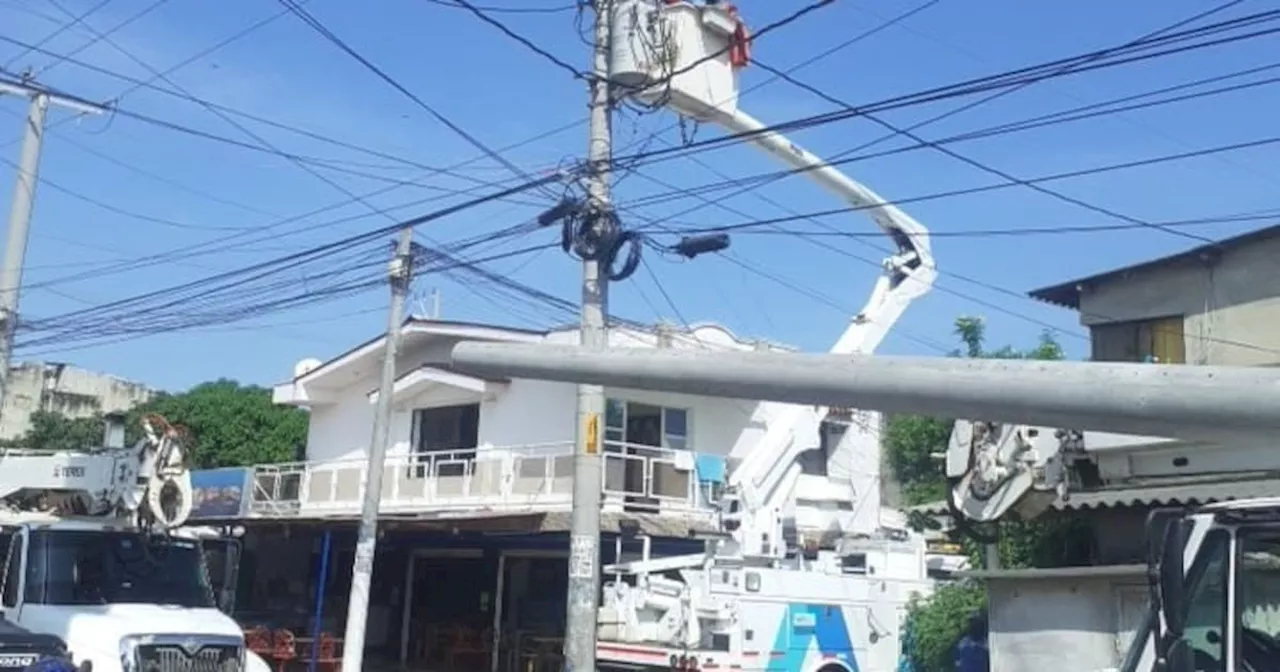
(464, 446)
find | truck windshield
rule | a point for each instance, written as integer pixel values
(95, 567)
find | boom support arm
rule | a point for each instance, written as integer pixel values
(770, 468)
(149, 482)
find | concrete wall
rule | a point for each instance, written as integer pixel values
(1058, 623)
(59, 388)
(1231, 305)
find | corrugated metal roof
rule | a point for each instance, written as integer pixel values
(1067, 294)
(1173, 494)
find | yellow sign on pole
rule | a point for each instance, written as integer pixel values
(593, 434)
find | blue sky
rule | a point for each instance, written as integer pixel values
(503, 94)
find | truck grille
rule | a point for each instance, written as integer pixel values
(188, 658)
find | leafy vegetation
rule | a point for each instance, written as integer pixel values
(1049, 541)
(938, 623)
(230, 424)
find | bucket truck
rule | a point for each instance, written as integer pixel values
(686, 57)
(94, 556)
(833, 598)
(1048, 430)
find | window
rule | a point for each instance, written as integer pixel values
(636, 424)
(1258, 598)
(447, 434)
(1158, 340)
(1207, 603)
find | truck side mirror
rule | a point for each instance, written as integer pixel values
(1173, 597)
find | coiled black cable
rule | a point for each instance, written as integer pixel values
(595, 234)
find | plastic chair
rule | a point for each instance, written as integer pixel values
(285, 648)
(328, 655)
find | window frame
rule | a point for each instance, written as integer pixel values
(620, 431)
(15, 538)
(1197, 572)
(1238, 605)
(1139, 337)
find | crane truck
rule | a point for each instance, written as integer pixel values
(95, 556)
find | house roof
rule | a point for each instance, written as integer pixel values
(1067, 294)
(411, 325)
(1181, 492)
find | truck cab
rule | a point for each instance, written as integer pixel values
(119, 598)
(1215, 592)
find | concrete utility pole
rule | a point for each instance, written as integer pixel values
(584, 525)
(1210, 404)
(401, 276)
(24, 195)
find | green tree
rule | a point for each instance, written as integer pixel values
(54, 431)
(1049, 541)
(230, 424)
(939, 621)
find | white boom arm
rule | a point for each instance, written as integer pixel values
(651, 42)
(148, 483)
(768, 471)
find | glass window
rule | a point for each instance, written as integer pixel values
(67, 567)
(615, 415)
(1207, 605)
(1258, 598)
(615, 421)
(675, 428)
(636, 424)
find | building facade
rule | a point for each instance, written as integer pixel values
(1215, 304)
(467, 447)
(66, 390)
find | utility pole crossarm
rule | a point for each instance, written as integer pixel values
(55, 99)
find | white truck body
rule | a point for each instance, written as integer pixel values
(143, 610)
(93, 553)
(836, 611)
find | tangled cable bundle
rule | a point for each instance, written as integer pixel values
(595, 234)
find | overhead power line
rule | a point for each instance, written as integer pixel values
(1094, 60)
(328, 164)
(329, 35)
(509, 10)
(1053, 177)
(98, 36)
(529, 44)
(987, 168)
(758, 193)
(753, 227)
(60, 30)
(170, 298)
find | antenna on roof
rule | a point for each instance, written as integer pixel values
(428, 310)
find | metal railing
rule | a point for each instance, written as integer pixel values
(497, 479)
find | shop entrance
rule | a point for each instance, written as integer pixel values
(531, 616)
(448, 610)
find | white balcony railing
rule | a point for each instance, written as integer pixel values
(493, 480)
